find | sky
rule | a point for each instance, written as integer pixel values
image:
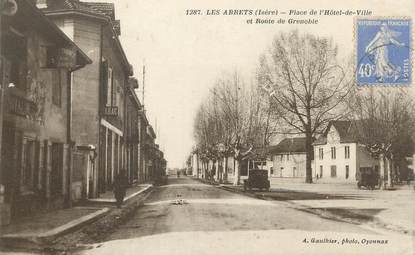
(184, 54)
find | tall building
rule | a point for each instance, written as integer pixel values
(37, 65)
(98, 91)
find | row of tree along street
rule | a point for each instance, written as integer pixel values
(301, 85)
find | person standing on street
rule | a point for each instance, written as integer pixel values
(120, 187)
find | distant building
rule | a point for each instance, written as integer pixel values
(288, 158)
(338, 155)
(132, 131)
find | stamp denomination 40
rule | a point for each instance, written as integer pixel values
(383, 51)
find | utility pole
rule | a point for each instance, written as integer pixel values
(237, 170)
(144, 82)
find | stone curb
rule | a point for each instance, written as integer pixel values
(39, 241)
(28, 240)
(112, 200)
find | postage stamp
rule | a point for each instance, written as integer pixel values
(383, 51)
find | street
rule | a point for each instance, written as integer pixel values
(185, 217)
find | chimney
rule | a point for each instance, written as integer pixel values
(41, 4)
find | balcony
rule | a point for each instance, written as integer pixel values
(21, 106)
(110, 111)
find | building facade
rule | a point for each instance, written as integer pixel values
(288, 158)
(338, 156)
(99, 91)
(132, 132)
(37, 63)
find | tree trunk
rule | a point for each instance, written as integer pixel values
(390, 172)
(203, 169)
(225, 169)
(382, 171)
(220, 164)
(309, 156)
(197, 166)
(237, 173)
(217, 171)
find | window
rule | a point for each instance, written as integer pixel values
(115, 88)
(347, 172)
(282, 157)
(272, 170)
(51, 57)
(321, 171)
(281, 169)
(333, 171)
(116, 155)
(333, 152)
(104, 79)
(57, 87)
(15, 50)
(18, 70)
(288, 157)
(347, 152)
(110, 86)
(109, 159)
(294, 171)
(320, 153)
(28, 167)
(56, 181)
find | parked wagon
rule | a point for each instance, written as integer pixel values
(257, 179)
(367, 177)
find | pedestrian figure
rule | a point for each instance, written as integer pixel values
(120, 187)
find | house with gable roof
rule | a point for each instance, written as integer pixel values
(288, 158)
(338, 155)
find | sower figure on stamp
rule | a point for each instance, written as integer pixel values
(378, 47)
(120, 187)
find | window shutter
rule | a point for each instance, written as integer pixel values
(104, 79)
(109, 90)
(114, 91)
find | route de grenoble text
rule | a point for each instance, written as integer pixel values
(275, 16)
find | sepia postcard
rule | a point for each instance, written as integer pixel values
(207, 127)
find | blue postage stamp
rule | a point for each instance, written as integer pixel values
(383, 51)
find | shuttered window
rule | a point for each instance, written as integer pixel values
(110, 87)
(104, 78)
(333, 171)
(57, 87)
(347, 152)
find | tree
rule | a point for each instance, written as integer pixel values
(302, 74)
(385, 125)
(229, 122)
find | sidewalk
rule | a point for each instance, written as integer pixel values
(108, 197)
(38, 231)
(389, 209)
(33, 231)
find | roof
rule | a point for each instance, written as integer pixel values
(105, 12)
(27, 11)
(151, 131)
(104, 8)
(289, 145)
(347, 130)
(131, 93)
